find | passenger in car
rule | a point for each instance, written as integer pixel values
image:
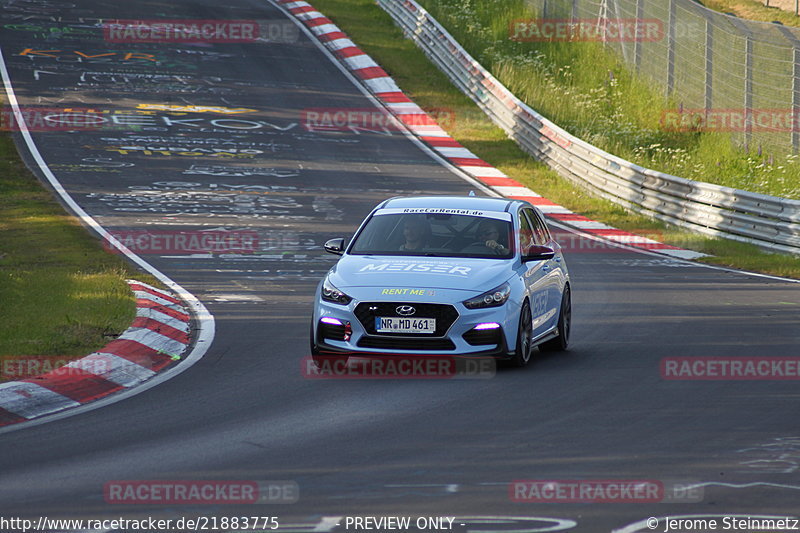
(417, 232)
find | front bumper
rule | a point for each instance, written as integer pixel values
(455, 335)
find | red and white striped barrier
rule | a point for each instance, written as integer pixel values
(157, 337)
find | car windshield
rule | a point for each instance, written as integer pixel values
(436, 234)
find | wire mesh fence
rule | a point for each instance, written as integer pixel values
(726, 73)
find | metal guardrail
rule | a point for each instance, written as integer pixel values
(767, 221)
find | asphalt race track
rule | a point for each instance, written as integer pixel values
(363, 447)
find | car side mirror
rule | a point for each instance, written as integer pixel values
(335, 246)
(537, 252)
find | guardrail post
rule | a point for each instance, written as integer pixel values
(671, 48)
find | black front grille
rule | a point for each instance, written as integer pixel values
(481, 337)
(445, 315)
(406, 343)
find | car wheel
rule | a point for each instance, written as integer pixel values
(522, 353)
(561, 342)
(325, 362)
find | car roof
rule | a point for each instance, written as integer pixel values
(449, 202)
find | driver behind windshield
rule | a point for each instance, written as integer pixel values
(489, 234)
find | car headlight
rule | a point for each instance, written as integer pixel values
(493, 298)
(334, 295)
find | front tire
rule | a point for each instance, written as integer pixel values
(561, 342)
(522, 353)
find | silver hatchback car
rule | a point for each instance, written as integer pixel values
(438, 276)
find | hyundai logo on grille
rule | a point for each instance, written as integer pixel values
(405, 310)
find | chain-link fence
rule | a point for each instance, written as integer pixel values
(743, 76)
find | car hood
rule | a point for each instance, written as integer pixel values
(454, 273)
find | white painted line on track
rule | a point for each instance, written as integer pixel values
(205, 320)
(744, 485)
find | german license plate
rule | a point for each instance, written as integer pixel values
(393, 324)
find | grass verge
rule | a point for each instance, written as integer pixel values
(372, 29)
(61, 294)
(753, 10)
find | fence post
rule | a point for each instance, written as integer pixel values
(671, 48)
(748, 80)
(795, 42)
(709, 79)
(748, 91)
(637, 44)
(796, 100)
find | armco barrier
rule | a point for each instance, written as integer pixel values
(767, 221)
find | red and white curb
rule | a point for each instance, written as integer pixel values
(388, 93)
(158, 336)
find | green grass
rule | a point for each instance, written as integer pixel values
(61, 294)
(373, 30)
(753, 10)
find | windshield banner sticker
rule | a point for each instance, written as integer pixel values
(499, 215)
